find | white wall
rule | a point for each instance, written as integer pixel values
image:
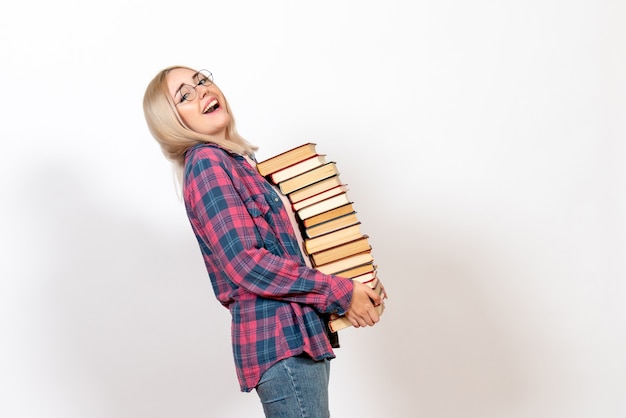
(483, 143)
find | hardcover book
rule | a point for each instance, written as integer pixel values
(298, 168)
(323, 206)
(358, 245)
(331, 225)
(287, 158)
(309, 177)
(313, 189)
(357, 271)
(342, 188)
(333, 239)
(328, 215)
(336, 267)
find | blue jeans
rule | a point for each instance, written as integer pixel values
(296, 387)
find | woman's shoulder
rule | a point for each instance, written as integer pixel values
(207, 151)
(210, 154)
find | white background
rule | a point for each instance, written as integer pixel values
(483, 143)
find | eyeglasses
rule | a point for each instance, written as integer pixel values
(188, 92)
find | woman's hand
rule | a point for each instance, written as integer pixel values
(362, 311)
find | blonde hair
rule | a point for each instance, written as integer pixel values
(173, 135)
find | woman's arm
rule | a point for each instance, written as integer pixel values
(225, 225)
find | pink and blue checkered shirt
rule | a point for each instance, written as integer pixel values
(255, 265)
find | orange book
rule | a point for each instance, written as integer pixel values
(313, 189)
(332, 239)
(357, 271)
(328, 215)
(287, 158)
(323, 206)
(342, 188)
(298, 168)
(331, 225)
(309, 177)
(367, 278)
(347, 263)
(341, 251)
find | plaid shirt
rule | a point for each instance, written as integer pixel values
(256, 267)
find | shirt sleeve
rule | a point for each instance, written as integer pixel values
(222, 221)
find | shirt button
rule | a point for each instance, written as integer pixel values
(275, 199)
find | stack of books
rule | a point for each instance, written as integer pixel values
(331, 232)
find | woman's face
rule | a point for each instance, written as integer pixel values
(199, 102)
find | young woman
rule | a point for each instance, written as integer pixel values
(246, 232)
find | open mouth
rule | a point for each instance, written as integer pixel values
(212, 106)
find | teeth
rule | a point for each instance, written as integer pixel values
(211, 106)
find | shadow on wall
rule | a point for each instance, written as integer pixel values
(131, 322)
